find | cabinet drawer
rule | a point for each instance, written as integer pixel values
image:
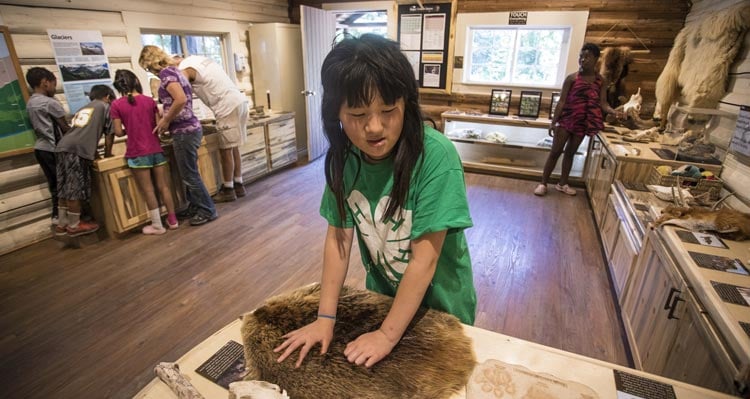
(283, 154)
(609, 229)
(256, 140)
(254, 165)
(283, 130)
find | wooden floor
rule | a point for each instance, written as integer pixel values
(92, 322)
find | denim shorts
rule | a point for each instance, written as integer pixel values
(147, 161)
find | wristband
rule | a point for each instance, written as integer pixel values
(326, 316)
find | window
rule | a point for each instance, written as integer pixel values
(528, 56)
(358, 23)
(209, 46)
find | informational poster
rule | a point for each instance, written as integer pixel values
(82, 61)
(16, 133)
(741, 138)
(423, 33)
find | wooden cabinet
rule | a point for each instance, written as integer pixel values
(282, 143)
(609, 230)
(668, 333)
(506, 145)
(599, 179)
(271, 144)
(622, 260)
(253, 154)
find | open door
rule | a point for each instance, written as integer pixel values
(318, 31)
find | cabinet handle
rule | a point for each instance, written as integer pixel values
(674, 307)
(669, 297)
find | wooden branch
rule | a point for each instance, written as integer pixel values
(170, 374)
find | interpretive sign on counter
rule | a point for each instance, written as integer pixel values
(741, 139)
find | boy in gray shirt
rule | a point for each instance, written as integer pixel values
(75, 155)
(48, 119)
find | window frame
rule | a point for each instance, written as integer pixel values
(577, 20)
(183, 42)
(560, 75)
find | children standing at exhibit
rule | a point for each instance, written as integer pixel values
(399, 186)
(138, 115)
(48, 120)
(75, 155)
(578, 114)
(185, 129)
(214, 87)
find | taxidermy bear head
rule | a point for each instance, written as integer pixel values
(434, 358)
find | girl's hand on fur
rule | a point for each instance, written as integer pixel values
(369, 348)
(321, 330)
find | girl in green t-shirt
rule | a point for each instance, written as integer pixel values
(399, 186)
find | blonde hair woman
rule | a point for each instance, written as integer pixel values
(176, 94)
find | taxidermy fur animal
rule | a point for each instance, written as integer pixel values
(614, 67)
(727, 222)
(434, 359)
(632, 111)
(698, 65)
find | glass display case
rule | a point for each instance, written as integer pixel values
(691, 134)
(506, 145)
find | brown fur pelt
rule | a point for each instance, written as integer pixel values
(698, 64)
(434, 359)
(726, 222)
(613, 68)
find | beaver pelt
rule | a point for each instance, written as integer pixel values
(434, 359)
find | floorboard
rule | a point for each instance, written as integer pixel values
(93, 322)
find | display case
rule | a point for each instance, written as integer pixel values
(690, 134)
(506, 145)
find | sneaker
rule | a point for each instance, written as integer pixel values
(186, 213)
(200, 219)
(540, 190)
(83, 227)
(239, 190)
(226, 194)
(173, 226)
(60, 230)
(565, 189)
(151, 230)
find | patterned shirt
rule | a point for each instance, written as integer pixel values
(436, 201)
(186, 121)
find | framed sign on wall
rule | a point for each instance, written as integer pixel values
(500, 101)
(16, 133)
(528, 106)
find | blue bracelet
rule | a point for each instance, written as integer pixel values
(326, 316)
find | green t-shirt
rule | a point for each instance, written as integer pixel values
(436, 202)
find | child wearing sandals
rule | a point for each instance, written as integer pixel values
(139, 115)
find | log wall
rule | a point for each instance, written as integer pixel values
(656, 22)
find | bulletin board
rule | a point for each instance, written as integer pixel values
(16, 133)
(424, 33)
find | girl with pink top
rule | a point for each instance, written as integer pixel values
(138, 114)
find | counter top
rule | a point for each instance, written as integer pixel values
(556, 366)
(726, 316)
(643, 152)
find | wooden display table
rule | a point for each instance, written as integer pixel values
(594, 374)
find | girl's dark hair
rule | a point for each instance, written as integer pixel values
(592, 48)
(127, 83)
(355, 71)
